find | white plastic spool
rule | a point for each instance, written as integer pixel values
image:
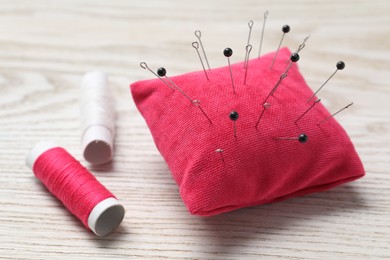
(97, 118)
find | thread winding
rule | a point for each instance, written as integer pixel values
(80, 192)
(97, 118)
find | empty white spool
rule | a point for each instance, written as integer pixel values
(97, 118)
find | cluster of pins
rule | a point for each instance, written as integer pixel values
(228, 52)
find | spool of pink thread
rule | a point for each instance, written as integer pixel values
(80, 192)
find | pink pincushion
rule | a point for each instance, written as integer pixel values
(255, 168)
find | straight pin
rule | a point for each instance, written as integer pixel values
(145, 66)
(262, 31)
(339, 66)
(293, 58)
(220, 151)
(227, 52)
(329, 117)
(302, 138)
(162, 73)
(248, 49)
(196, 47)
(303, 44)
(315, 102)
(234, 116)
(250, 25)
(198, 34)
(285, 29)
(265, 106)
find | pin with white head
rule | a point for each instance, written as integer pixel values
(162, 72)
(248, 49)
(339, 66)
(285, 29)
(220, 151)
(196, 47)
(329, 117)
(145, 66)
(262, 31)
(234, 116)
(302, 138)
(198, 34)
(250, 25)
(228, 52)
(97, 113)
(314, 103)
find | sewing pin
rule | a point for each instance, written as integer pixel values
(220, 151)
(285, 29)
(248, 49)
(293, 58)
(162, 72)
(198, 34)
(145, 66)
(196, 47)
(250, 25)
(302, 138)
(329, 117)
(234, 116)
(262, 31)
(265, 106)
(339, 66)
(228, 53)
(314, 103)
(303, 44)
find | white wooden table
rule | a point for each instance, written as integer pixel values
(46, 47)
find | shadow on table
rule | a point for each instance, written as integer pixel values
(260, 223)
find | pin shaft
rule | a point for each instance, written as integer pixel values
(196, 47)
(315, 102)
(318, 90)
(145, 66)
(262, 32)
(329, 117)
(198, 34)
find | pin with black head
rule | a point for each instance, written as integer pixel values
(234, 116)
(228, 52)
(162, 72)
(293, 58)
(262, 31)
(285, 29)
(302, 138)
(340, 65)
(250, 25)
(196, 47)
(198, 34)
(220, 151)
(145, 66)
(248, 49)
(304, 113)
(329, 117)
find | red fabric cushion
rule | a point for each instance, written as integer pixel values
(256, 168)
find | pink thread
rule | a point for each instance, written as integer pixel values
(70, 182)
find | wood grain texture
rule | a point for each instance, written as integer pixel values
(46, 47)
